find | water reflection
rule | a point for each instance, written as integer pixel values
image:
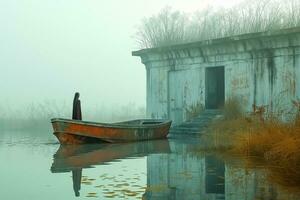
(76, 157)
(185, 174)
(76, 176)
(214, 176)
(175, 170)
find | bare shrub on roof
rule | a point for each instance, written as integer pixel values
(174, 27)
(165, 28)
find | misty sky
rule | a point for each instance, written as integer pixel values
(51, 48)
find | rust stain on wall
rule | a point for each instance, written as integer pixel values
(289, 82)
(239, 82)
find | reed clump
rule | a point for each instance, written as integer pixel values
(257, 136)
(232, 109)
(222, 132)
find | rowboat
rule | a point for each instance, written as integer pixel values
(70, 131)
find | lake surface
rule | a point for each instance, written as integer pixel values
(34, 166)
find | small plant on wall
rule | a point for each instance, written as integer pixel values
(296, 104)
(232, 108)
(194, 110)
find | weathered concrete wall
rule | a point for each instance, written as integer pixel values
(260, 69)
(186, 93)
(157, 99)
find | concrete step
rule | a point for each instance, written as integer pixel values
(185, 129)
(186, 132)
(197, 125)
(189, 126)
(220, 197)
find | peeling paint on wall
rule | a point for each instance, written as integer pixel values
(271, 68)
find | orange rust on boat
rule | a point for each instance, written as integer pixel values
(77, 132)
(65, 138)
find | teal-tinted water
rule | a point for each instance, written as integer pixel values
(34, 166)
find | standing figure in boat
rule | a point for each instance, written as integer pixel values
(76, 173)
(76, 107)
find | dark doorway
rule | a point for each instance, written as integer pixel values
(214, 87)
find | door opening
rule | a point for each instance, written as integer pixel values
(214, 87)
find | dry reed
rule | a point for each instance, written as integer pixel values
(274, 143)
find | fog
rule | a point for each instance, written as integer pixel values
(51, 49)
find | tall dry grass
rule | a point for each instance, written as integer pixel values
(257, 137)
(233, 109)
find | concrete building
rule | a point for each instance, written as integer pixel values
(261, 69)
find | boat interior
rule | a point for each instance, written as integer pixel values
(137, 122)
(141, 122)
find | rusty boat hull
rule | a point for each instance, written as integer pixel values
(78, 132)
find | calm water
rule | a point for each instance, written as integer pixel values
(34, 166)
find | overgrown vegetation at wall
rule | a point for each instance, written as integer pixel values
(193, 111)
(174, 27)
(258, 136)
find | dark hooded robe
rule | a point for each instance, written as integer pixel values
(76, 107)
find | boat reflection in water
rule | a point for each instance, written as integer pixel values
(175, 170)
(73, 158)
